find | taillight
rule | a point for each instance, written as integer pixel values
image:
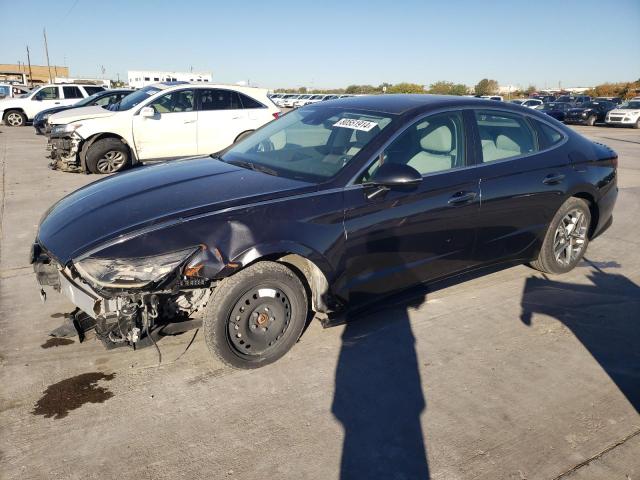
(276, 115)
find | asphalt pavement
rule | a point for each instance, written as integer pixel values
(512, 375)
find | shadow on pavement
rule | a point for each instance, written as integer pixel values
(604, 316)
(379, 400)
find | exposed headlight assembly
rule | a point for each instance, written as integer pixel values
(68, 128)
(131, 272)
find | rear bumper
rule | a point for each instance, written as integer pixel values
(605, 210)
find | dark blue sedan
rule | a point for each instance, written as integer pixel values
(327, 209)
(557, 110)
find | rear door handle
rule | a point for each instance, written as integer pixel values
(462, 198)
(553, 179)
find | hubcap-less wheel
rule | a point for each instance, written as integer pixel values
(14, 119)
(111, 161)
(259, 320)
(569, 238)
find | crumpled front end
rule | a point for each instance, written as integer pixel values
(65, 152)
(124, 316)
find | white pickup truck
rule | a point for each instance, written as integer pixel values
(16, 112)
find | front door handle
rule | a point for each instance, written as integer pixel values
(189, 121)
(461, 198)
(553, 179)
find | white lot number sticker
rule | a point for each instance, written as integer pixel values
(364, 125)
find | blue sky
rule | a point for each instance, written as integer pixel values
(335, 43)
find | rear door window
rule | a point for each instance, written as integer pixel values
(218, 99)
(504, 135)
(92, 90)
(72, 92)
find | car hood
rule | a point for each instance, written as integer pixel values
(82, 113)
(148, 196)
(623, 111)
(51, 111)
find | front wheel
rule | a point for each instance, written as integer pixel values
(255, 316)
(637, 124)
(108, 155)
(591, 121)
(566, 239)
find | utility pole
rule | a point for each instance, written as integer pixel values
(46, 49)
(29, 60)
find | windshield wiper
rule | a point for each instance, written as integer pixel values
(250, 166)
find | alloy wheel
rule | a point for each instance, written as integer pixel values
(570, 237)
(14, 119)
(111, 161)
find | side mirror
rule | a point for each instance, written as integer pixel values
(36, 98)
(147, 112)
(396, 175)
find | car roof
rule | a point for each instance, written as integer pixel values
(399, 104)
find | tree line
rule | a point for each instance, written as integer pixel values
(486, 86)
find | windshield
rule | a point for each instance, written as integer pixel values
(89, 100)
(134, 99)
(311, 144)
(634, 105)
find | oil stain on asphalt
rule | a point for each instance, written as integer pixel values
(56, 342)
(62, 397)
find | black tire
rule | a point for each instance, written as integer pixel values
(243, 135)
(547, 261)
(108, 155)
(15, 118)
(242, 309)
(637, 124)
(591, 121)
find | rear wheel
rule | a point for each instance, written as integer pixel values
(108, 155)
(255, 316)
(566, 239)
(591, 121)
(15, 118)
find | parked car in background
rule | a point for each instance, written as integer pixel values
(100, 99)
(497, 98)
(616, 100)
(545, 98)
(331, 208)
(556, 110)
(627, 114)
(330, 97)
(160, 121)
(576, 100)
(288, 101)
(316, 98)
(528, 102)
(589, 113)
(10, 90)
(301, 100)
(16, 112)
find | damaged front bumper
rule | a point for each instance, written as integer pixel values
(121, 317)
(65, 152)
